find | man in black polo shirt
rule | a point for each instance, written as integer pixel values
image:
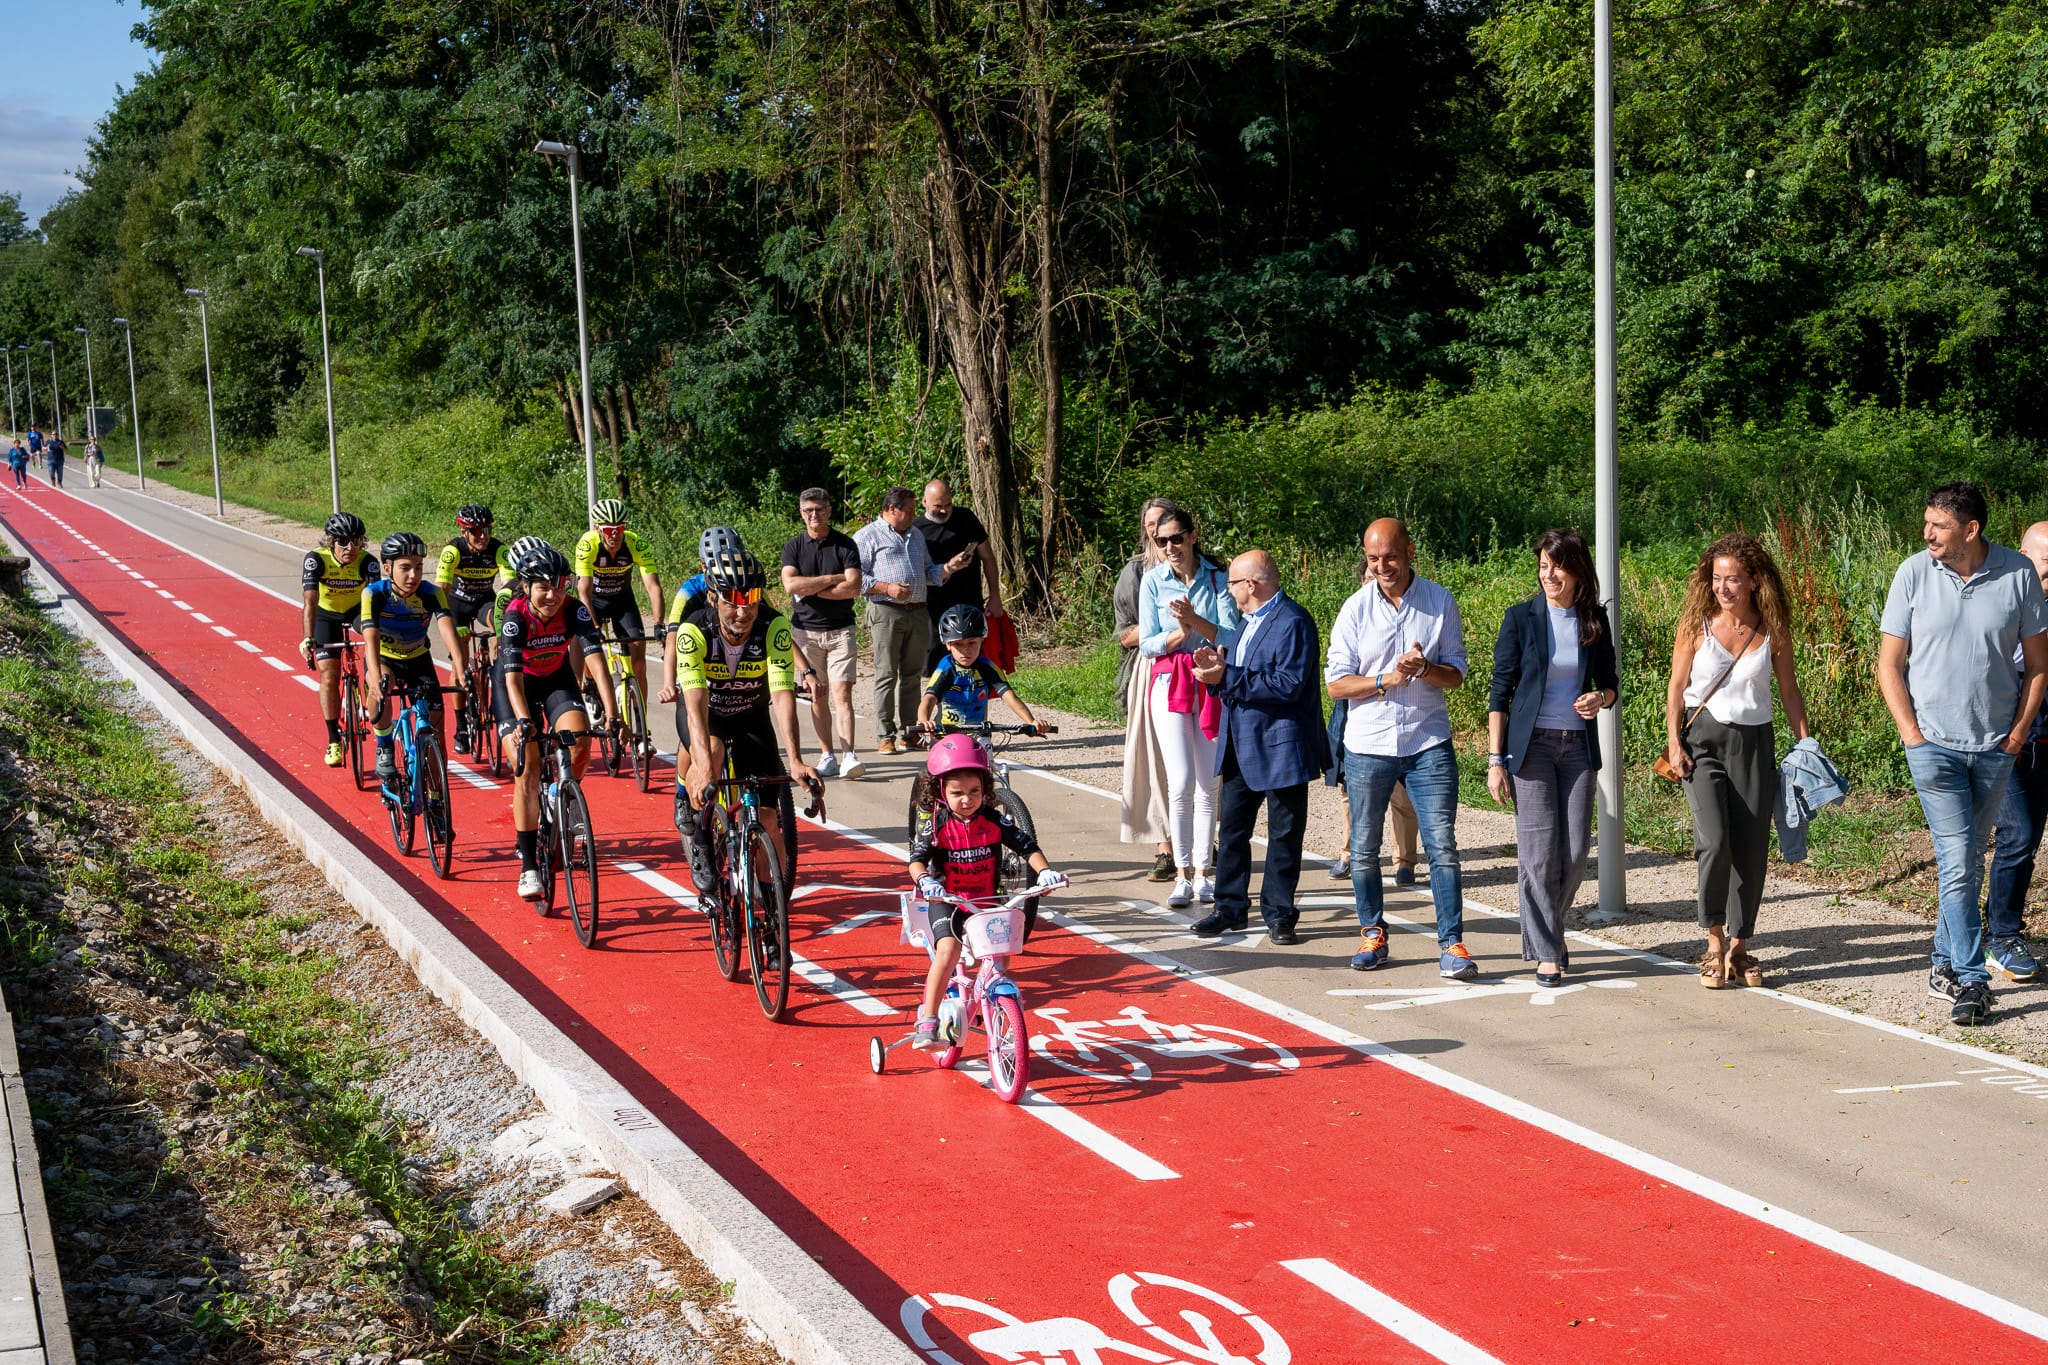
(821, 573)
(947, 531)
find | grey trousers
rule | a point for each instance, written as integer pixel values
(1734, 785)
(1553, 831)
(902, 634)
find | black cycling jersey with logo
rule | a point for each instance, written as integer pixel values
(738, 678)
(468, 575)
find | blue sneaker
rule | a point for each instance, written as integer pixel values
(1455, 964)
(2009, 956)
(1372, 950)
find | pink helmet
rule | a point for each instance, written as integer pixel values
(958, 753)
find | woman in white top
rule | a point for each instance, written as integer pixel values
(1734, 636)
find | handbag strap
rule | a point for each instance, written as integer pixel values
(1734, 658)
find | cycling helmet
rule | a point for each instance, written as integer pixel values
(473, 516)
(716, 541)
(607, 512)
(731, 573)
(403, 545)
(534, 559)
(959, 753)
(345, 526)
(962, 621)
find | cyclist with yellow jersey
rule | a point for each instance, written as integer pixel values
(604, 562)
(333, 576)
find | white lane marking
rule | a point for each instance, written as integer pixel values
(863, 918)
(147, 584)
(194, 512)
(1071, 1125)
(202, 618)
(132, 574)
(1887, 1262)
(1888, 1089)
(181, 606)
(296, 603)
(310, 684)
(279, 664)
(167, 597)
(1397, 1317)
(468, 774)
(1412, 997)
(249, 645)
(224, 632)
(844, 991)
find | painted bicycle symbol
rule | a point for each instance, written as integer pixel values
(1106, 1049)
(1075, 1341)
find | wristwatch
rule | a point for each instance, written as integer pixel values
(1496, 760)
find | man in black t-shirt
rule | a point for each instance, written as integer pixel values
(821, 573)
(947, 531)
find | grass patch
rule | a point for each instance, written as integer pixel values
(1081, 682)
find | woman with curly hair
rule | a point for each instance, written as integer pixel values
(1734, 636)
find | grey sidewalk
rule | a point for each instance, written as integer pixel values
(33, 1327)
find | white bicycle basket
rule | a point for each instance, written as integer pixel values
(996, 933)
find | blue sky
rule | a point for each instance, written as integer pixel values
(63, 62)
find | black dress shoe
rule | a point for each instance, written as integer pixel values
(1550, 980)
(1283, 936)
(1214, 925)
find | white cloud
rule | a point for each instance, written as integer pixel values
(39, 150)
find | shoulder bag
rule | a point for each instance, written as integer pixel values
(1662, 767)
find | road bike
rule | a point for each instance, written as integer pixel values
(1015, 874)
(988, 1002)
(565, 843)
(473, 720)
(355, 726)
(631, 741)
(747, 897)
(422, 775)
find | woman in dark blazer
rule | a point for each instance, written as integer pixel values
(1554, 671)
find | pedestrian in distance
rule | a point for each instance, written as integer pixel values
(17, 461)
(35, 446)
(54, 450)
(821, 574)
(2016, 832)
(1398, 646)
(1270, 746)
(1144, 790)
(897, 575)
(1734, 637)
(93, 461)
(1554, 671)
(1957, 614)
(1184, 603)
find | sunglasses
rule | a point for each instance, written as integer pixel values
(612, 530)
(1172, 542)
(743, 597)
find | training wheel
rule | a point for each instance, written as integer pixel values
(876, 1052)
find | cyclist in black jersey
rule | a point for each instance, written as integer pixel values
(333, 576)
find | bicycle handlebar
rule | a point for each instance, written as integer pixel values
(975, 906)
(549, 739)
(988, 727)
(814, 811)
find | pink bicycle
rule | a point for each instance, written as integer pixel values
(988, 1001)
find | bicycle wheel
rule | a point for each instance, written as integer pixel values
(354, 733)
(1009, 1054)
(634, 710)
(401, 808)
(1016, 873)
(593, 706)
(579, 861)
(767, 925)
(488, 725)
(718, 901)
(544, 859)
(432, 774)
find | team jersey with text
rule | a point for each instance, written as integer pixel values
(340, 586)
(401, 620)
(611, 571)
(738, 679)
(471, 575)
(964, 693)
(529, 645)
(966, 855)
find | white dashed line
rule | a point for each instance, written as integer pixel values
(281, 666)
(224, 632)
(254, 648)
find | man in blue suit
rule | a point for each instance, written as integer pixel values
(1270, 746)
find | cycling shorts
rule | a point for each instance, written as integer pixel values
(753, 753)
(553, 695)
(623, 612)
(330, 631)
(471, 618)
(420, 671)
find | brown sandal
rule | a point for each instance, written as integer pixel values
(1746, 969)
(1713, 971)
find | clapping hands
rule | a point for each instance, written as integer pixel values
(1209, 665)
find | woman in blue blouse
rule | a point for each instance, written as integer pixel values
(1184, 602)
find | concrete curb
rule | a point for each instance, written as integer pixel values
(803, 1312)
(44, 1286)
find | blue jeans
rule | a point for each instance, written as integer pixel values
(2016, 836)
(1959, 793)
(1432, 781)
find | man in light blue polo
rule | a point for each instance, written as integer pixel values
(1952, 622)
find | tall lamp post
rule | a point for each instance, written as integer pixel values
(319, 259)
(1613, 867)
(220, 508)
(567, 151)
(8, 352)
(28, 381)
(56, 390)
(92, 400)
(134, 409)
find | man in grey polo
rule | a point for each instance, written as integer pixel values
(896, 574)
(1952, 622)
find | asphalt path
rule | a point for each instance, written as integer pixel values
(1232, 1151)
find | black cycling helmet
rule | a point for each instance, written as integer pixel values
(534, 559)
(731, 573)
(403, 545)
(962, 621)
(345, 526)
(607, 512)
(717, 541)
(473, 516)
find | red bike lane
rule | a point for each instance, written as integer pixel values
(1192, 1179)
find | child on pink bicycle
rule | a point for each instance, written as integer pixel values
(958, 853)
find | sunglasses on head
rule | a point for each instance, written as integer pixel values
(1172, 542)
(743, 597)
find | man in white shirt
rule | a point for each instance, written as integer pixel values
(1397, 647)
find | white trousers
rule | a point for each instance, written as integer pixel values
(1191, 780)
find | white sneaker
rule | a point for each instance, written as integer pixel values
(1205, 889)
(828, 766)
(1182, 895)
(529, 885)
(850, 766)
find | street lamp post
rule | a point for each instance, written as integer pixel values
(92, 399)
(8, 352)
(568, 152)
(56, 390)
(319, 259)
(1613, 866)
(220, 509)
(134, 409)
(28, 381)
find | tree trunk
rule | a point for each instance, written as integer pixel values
(1048, 282)
(569, 413)
(611, 432)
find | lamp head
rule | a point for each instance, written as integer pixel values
(554, 149)
(120, 322)
(195, 293)
(312, 253)
(81, 331)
